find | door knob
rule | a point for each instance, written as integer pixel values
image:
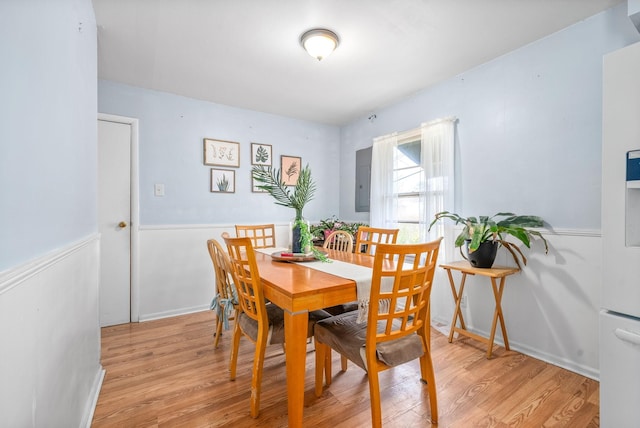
(122, 224)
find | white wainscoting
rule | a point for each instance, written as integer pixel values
(550, 309)
(176, 274)
(50, 339)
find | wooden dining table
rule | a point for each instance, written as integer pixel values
(298, 289)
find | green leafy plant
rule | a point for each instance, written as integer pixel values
(333, 223)
(271, 182)
(480, 229)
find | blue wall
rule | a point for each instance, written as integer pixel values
(47, 127)
(529, 130)
(172, 129)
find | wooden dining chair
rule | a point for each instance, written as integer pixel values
(261, 235)
(262, 323)
(397, 324)
(225, 302)
(340, 240)
(368, 238)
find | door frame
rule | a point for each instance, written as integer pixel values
(135, 212)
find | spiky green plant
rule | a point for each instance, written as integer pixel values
(271, 182)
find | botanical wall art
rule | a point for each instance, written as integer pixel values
(290, 167)
(255, 184)
(260, 154)
(221, 153)
(223, 180)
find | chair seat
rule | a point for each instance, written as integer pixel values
(275, 315)
(346, 336)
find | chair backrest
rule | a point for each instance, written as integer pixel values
(411, 268)
(261, 235)
(368, 238)
(340, 240)
(222, 269)
(246, 277)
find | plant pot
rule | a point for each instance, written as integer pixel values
(484, 256)
(295, 235)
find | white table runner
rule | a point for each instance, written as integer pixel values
(361, 275)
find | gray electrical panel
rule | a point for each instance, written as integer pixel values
(363, 179)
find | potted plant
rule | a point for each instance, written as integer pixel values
(271, 182)
(484, 235)
(322, 229)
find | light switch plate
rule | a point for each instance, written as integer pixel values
(158, 189)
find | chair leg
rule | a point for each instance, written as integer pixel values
(343, 362)
(218, 332)
(428, 376)
(256, 379)
(233, 357)
(321, 349)
(374, 393)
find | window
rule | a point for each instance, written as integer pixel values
(412, 180)
(408, 176)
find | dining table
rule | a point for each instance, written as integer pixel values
(298, 289)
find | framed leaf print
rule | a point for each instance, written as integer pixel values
(221, 153)
(260, 154)
(290, 169)
(223, 180)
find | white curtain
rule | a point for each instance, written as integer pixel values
(437, 194)
(383, 203)
(437, 158)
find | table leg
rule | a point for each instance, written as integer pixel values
(497, 315)
(457, 296)
(503, 326)
(295, 332)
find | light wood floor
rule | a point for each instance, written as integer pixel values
(166, 373)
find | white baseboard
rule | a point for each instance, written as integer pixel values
(173, 313)
(95, 394)
(443, 327)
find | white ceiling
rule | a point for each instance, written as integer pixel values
(246, 53)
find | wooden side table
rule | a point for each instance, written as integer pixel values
(493, 273)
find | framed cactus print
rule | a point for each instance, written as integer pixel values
(223, 180)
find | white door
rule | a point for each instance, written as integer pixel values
(114, 221)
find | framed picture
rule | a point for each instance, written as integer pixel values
(221, 153)
(223, 180)
(260, 154)
(254, 186)
(290, 169)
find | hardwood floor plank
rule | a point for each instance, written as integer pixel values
(165, 373)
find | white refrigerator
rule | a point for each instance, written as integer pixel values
(620, 304)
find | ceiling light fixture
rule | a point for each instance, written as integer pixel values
(319, 42)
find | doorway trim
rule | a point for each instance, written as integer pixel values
(135, 211)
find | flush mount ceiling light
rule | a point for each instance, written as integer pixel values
(319, 42)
